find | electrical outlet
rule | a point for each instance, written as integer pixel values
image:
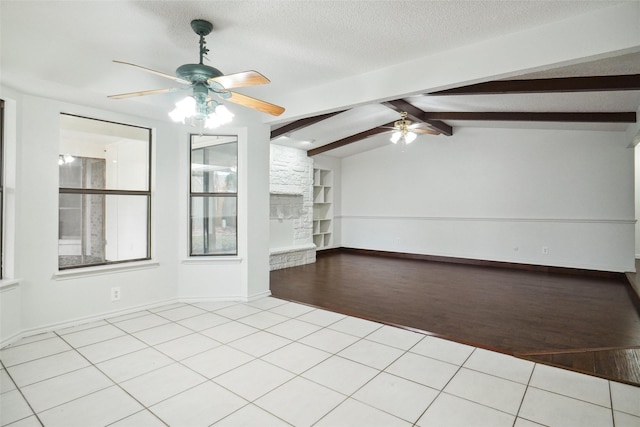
(115, 293)
(545, 250)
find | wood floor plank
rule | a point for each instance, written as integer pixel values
(619, 364)
(511, 311)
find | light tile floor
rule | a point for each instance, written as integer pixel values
(277, 363)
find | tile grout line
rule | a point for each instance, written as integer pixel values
(296, 375)
(524, 395)
(613, 415)
(408, 350)
(327, 327)
(346, 397)
(443, 387)
(34, 413)
(252, 402)
(361, 338)
(116, 383)
(170, 357)
(198, 373)
(179, 362)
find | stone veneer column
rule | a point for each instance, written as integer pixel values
(291, 187)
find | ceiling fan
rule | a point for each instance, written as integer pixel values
(403, 129)
(208, 85)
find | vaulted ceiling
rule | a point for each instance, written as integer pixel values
(354, 64)
(597, 95)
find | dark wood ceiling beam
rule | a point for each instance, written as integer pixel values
(628, 117)
(417, 115)
(562, 84)
(400, 105)
(348, 140)
(302, 123)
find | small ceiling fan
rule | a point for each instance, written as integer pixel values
(403, 129)
(208, 84)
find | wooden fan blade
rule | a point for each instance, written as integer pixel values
(142, 93)
(256, 104)
(158, 73)
(425, 131)
(246, 78)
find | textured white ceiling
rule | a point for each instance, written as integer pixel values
(64, 49)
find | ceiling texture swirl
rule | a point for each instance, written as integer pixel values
(344, 70)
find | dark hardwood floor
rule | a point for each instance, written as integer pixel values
(584, 323)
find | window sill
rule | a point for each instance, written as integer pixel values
(104, 269)
(212, 260)
(8, 284)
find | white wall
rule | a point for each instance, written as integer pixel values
(245, 276)
(46, 298)
(254, 213)
(10, 298)
(38, 297)
(497, 194)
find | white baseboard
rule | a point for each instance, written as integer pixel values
(81, 320)
(87, 319)
(259, 295)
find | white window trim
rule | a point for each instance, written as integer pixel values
(100, 270)
(219, 259)
(9, 192)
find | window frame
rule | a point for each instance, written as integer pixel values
(194, 194)
(105, 192)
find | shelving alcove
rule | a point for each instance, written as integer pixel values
(322, 208)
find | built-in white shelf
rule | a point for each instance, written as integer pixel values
(322, 208)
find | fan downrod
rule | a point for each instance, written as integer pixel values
(201, 27)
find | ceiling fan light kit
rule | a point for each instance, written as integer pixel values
(402, 131)
(201, 108)
(209, 86)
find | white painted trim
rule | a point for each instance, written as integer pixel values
(8, 284)
(81, 320)
(258, 296)
(13, 338)
(195, 300)
(290, 249)
(561, 263)
(287, 193)
(212, 260)
(233, 298)
(493, 219)
(104, 269)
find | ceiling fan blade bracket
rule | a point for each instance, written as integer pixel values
(224, 94)
(215, 86)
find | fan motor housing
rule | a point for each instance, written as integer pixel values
(197, 72)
